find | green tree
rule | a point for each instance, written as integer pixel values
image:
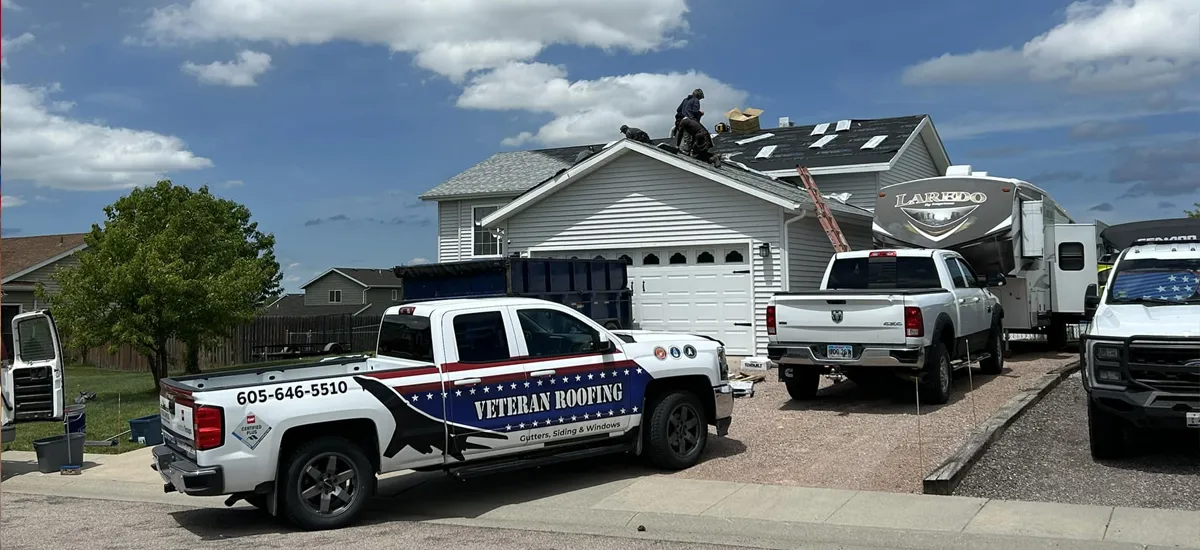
(1194, 213)
(168, 263)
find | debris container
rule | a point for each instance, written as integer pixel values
(76, 418)
(57, 451)
(146, 430)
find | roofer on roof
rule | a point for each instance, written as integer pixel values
(696, 140)
(636, 134)
(690, 106)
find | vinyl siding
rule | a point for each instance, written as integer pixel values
(45, 275)
(862, 186)
(317, 293)
(914, 164)
(381, 296)
(455, 227)
(26, 299)
(637, 201)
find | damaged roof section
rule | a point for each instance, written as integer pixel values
(794, 144)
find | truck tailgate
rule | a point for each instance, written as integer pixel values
(840, 318)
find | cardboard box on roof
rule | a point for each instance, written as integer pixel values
(743, 122)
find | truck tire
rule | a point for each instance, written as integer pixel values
(678, 431)
(803, 384)
(1106, 433)
(328, 482)
(938, 376)
(995, 348)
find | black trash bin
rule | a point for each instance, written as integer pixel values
(61, 450)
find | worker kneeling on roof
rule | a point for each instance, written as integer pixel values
(636, 134)
(696, 141)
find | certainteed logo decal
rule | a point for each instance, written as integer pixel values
(938, 214)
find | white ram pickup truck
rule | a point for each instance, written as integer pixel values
(908, 312)
(470, 386)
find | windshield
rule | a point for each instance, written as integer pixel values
(1157, 281)
(885, 272)
(406, 337)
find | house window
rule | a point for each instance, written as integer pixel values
(395, 295)
(705, 258)
(650, 259)
(734, 257)
(482, 241)
(678, 258)
(335, 296)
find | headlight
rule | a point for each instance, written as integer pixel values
(1109, 376)
(1107, 353)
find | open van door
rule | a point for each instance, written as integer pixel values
(33, 381)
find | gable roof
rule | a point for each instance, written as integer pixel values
(23, 255)
(292, 305)
(785, 194)
(364, 276)
(514, 172)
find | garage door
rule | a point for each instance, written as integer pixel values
(704, 290)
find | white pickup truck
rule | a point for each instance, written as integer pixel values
(470, 386)
(908, 312)
(31, 384)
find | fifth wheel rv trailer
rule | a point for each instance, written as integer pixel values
(1000, 225)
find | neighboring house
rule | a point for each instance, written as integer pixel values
(357, 291)
(707, 247)
(27, 261)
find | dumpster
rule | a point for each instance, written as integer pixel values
(146, 430)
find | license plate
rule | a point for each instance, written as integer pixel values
(1193, 420)
(839, 352)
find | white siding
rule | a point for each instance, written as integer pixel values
(914, 164)
(636, 201)
(862, 186)
(455, 227)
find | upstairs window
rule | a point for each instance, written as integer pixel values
(482, 241)
(335, 296)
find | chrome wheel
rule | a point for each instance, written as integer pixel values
(683, 430)
(327, 484)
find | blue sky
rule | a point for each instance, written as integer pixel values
(329, 118)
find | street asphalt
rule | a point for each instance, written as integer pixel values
(1044, 456)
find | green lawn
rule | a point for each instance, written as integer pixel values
(120, 397)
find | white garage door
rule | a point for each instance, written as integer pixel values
(704, 290)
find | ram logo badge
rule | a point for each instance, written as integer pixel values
(837, 315)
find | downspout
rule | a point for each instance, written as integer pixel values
(787, 245)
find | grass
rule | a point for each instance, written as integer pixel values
(120, 397)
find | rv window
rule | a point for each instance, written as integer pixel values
(905, 272)
(1070, 256)
(406, 337)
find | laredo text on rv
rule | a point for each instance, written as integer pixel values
(1000, 226)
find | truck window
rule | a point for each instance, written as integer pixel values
(887, 272)
(1174, 280)
(36, 339)
(406, 337)
(550, 332)
(968, 273)
(481, 337)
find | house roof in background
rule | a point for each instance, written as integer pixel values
(364, 276)
(21, 255)
(514, 172)
(292, 305)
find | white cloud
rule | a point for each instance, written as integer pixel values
(9, 201)
(589, 111)
(10, 5)
(240, 73)
(972, 126)
(234, 183)
(1118, 45)
(39, 143)
(8, 46)
(451, 38)
(418, 261)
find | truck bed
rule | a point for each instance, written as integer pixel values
(285, 373)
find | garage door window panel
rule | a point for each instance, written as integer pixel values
(705, 257)
(734, 257)
(552, 333)
(678, 258)
(650, 259)
(481, 337)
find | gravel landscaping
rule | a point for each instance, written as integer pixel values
(1044, 456)
(849, 439)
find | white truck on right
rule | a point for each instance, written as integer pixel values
(1140, 353)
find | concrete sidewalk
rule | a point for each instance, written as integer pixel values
(608, 499)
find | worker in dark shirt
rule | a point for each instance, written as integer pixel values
(690, 106)
(636, 134)
(696, 140)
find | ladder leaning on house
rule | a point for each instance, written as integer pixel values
(830, 225)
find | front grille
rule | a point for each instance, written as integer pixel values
(33, 393)
(1164, 368)
(1163, 355)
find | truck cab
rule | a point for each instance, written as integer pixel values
(32, 381)
(1141, 351)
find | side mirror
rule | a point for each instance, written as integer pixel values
(1091, 301)
(995, 279)
(603, 343)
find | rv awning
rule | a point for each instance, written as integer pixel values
(1123, 235)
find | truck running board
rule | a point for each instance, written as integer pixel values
(470, 472)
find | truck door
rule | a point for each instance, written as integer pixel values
(33, 381)
(486, 385)
(973, 317)
(589, 393)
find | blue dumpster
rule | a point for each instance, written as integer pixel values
(76, 418)
(146, 430)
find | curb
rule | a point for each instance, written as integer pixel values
(944, 479)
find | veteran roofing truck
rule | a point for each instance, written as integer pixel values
(1001, 226)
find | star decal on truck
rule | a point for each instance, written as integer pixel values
(420, 431)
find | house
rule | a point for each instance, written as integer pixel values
(341, 290)
(27, 261)
(706, 246)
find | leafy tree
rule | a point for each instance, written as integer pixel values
(169, 262)
(1194, 213)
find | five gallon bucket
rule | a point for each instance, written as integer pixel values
(146, 430)
(76, 418)
(61, 450)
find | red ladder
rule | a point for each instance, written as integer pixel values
(827, 222)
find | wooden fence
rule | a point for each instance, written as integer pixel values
(247, 343)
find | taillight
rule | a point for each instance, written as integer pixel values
(770, 319)
(208, 424)
(914, 322)
(882, 254)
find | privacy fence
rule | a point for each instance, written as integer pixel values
(266, 339)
